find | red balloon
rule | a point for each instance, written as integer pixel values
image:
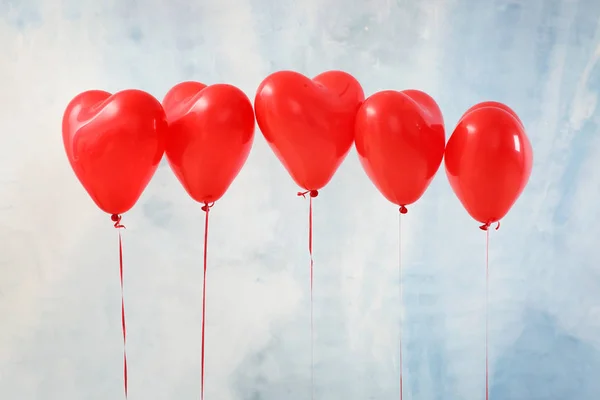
(211, 130)
(400, 141)
(114, 144)
(488, 162)
(309, 124)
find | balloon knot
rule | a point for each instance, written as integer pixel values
(116, 218)
(311, 193)
(207, 206)
(487, 225)
(403, 210)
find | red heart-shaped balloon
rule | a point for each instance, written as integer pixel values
(114, 144)
(309, 123)
(400, 141)
(488, 161)
(211, 129)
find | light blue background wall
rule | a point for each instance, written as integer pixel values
(59, 294)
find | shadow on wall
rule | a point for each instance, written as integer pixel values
(280, 370)
(546, 363)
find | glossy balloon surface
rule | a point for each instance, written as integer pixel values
(488, 162)
(400, 141)
(114, 144)
(309, 123)
(211, 130)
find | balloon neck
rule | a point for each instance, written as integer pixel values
(403, 210)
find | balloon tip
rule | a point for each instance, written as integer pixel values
(403, 210)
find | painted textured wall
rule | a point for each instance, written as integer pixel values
(59, 291)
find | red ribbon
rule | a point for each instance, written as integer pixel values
(487, 289)
(485, 227)
(403, 210)
(312, 194)
(117, 220)
(206, 208)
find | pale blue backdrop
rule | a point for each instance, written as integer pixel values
(59, 292)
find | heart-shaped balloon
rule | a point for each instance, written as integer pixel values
(488, 161)
(114, 144)
(400, 141)
(309, 123)
(211, 130)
